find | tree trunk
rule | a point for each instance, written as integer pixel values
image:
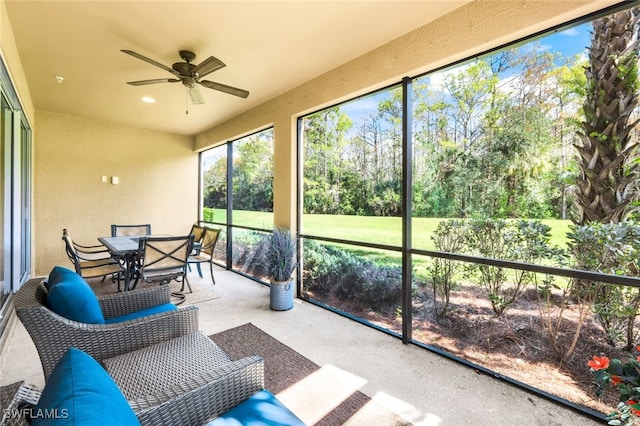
(605, 187)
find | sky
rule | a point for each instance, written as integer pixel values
(569, 42)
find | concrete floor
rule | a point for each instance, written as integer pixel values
(412, 383)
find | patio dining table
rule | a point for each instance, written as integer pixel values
(125, 248)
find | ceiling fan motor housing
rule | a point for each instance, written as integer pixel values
(184, 68)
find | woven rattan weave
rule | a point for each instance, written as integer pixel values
(53, 334)
(190, 372)
(14, 400)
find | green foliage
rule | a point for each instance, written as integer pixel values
(486, 239)
(252, 179)
(449, 237)
(208, 214)
(525, 241)
(249, 251)
(214, 182)
(611, 248)
(253, 172)
(339, 273)
(477, 151)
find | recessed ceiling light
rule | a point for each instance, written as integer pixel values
(59, 79)
(148, 99)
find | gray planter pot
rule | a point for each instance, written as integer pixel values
(281, 295)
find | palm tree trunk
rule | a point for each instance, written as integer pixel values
(606, 150)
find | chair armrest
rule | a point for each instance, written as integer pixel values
(91, 249)
(197, 400)
(26, 295)
(54, 334)
(118, 304)
(24, 398)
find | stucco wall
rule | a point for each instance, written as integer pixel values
(472, 29)
(158, 174)
(12, 61)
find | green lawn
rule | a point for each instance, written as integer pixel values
(379, 230)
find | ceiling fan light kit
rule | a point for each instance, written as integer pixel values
(189, 75)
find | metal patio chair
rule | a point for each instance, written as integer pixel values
(92, 261)
(130, 230)
(164, 259)
(204, 253)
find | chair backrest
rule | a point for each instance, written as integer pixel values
(130, 230)
(209, 240)
(71, 250)
(198, 232)
(164, 256)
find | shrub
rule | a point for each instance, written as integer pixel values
(207, 214)
(525, 241)
(611, 248)
(449, 237)
(339, 273)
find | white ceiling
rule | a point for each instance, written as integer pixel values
(269, 47)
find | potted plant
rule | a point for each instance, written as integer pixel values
(281, 262)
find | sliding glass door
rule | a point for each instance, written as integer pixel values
(15, 196)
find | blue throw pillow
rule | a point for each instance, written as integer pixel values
(261, 409)
(165, 307)
(80, 392)
(74, 299)
(57, 274)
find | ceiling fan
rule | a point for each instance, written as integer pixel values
(190, 75)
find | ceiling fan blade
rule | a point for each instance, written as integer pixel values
(153, 81)
(209, 65)
(195, 95)
(224, 88)
(151, 61)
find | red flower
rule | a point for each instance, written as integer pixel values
(598, 362)
(634, 411)
(616, 380)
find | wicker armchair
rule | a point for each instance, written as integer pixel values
(187, 380)
(54, 334)
(189, 402)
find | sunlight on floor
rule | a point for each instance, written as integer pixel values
(382, 405)
(320, 392)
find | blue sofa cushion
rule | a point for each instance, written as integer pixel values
(165, 307)
(74, 299)
(80, 392)
(262, 409)
(57, 274)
